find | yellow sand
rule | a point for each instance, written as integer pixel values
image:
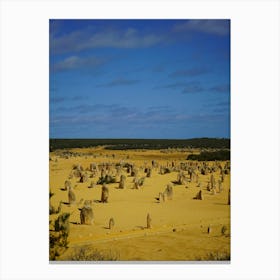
(179, 226)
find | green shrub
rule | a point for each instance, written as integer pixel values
(218, 256)
(164, 170)
(58, 240)
(215, 256)
(211, 156)
(86, 253)
(62, 222)
(107, 179)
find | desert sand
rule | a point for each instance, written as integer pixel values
(179, 227)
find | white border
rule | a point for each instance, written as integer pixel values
(254, 132)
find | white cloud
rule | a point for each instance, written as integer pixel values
(74, 62)
(82, 40)
(211, 26)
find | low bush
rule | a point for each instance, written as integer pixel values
(218, 256)
(86, 253)
(107, 179)
(58, 240)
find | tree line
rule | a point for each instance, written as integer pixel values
(150, 144)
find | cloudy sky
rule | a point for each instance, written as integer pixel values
(139, 78)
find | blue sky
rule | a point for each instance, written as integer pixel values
(139, 78)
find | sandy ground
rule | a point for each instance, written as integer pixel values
(179, 226)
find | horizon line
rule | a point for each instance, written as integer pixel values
(60, 138)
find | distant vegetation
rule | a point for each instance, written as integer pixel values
(149, 144)
(207, 156)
